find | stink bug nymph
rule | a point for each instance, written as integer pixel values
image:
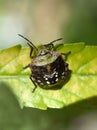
(48, 68)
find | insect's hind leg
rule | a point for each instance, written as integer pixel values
(35, 86)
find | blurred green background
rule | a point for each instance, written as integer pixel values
(43, 21)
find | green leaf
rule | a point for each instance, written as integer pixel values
(81, 85)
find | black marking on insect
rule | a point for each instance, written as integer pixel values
(48, 67)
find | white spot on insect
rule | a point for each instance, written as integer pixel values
(63, 73)
(38, 81)
(41, 83)
(46, 78)
(56, 79)
(48, 82)
(56, 75)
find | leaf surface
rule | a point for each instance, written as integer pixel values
(81, 85)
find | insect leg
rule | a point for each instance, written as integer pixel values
(27, 66)
(30, 44)
(66, 54)
(35, 86)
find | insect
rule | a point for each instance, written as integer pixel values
(48, 68)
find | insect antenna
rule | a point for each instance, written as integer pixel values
(51, 43)
(55, 40)
(29, 42)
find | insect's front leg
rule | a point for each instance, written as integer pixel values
(66, 54)
(30, 44)
(35, 86)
